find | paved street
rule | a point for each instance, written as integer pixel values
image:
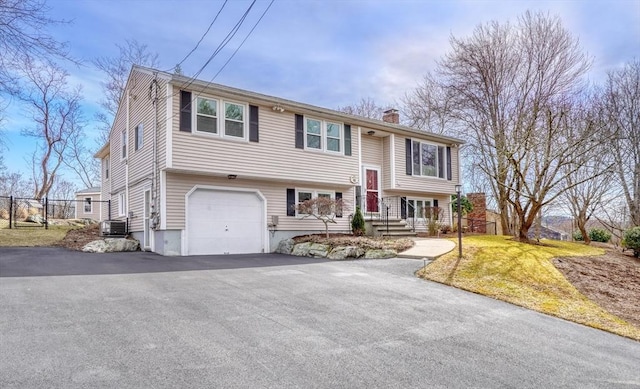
(138, 320)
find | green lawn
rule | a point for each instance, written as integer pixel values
(524, 275)
(31, 236)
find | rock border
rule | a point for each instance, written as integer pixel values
(338, 253)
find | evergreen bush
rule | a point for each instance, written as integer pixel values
(631, 240)
(357, 223)
(599, 235)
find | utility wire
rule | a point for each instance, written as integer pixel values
(236, 27)
(244, 40)
(202, 37)
(222, 45)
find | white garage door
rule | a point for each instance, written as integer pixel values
(225, 222)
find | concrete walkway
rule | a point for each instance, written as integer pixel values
(428, 248)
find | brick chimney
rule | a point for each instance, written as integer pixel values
(478, 217)
(391, 116)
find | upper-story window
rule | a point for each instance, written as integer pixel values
(106, 168)
(232, 121)
(123, 141)
(428, 159)
(207, 115)
(323, 135)
(138, 136)
(87, 205)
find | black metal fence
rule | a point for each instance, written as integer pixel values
(24, 212)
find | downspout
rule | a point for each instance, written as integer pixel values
(126, 161)
(154, 183)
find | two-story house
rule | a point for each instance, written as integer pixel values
(201, 168)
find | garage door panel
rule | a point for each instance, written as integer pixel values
(225, 222)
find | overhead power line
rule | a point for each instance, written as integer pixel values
(202, 37)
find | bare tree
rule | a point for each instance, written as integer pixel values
(80, 159)
(510, 89)
(56, 114)
(322, 208)
(367, 107)
(62, 199)
(587, 176)
(428, 107)
(621, 113)
(116, 70)
(23, 35)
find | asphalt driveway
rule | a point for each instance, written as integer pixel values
(138, 320)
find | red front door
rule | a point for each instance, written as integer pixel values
(372, 190)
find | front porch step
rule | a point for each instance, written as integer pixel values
(399, 234)
(396, 228)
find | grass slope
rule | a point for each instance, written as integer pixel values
(524, 275)
(32, 236)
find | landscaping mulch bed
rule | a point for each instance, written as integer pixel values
(78, 238)
(611, 280)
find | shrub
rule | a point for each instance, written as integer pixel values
(577, 236)
(357, 223)
(599, 235)
(445, 228)
(631, 240)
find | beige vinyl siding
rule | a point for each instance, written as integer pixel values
(178, 185)
(386, 161)
(273, 157)
(140, 162)
(105, 187)
(136, 205)
(371, 149)
(142, 111)
(117, 174)
(162, 122)
(423, 184)
(95, 206)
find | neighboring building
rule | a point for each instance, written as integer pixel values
(88, 205)
(201, 168)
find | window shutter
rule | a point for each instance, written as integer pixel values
(409, 164)
(291, 202)
(253, 123)
(449, 175)
(403, 207)
(347, 139)
(185, 111)
(299, 131)
(339, 197)
(435, 205)
(359, 196)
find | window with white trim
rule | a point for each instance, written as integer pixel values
(429, 159)
(106, 168)
(207, 115)
(303, 195)
(123, 144)
(323, 135)
(232, 122)
(138, 135)
(417, 207)
(122, 204)
(87, 205)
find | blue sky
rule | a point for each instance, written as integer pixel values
(329, 53)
